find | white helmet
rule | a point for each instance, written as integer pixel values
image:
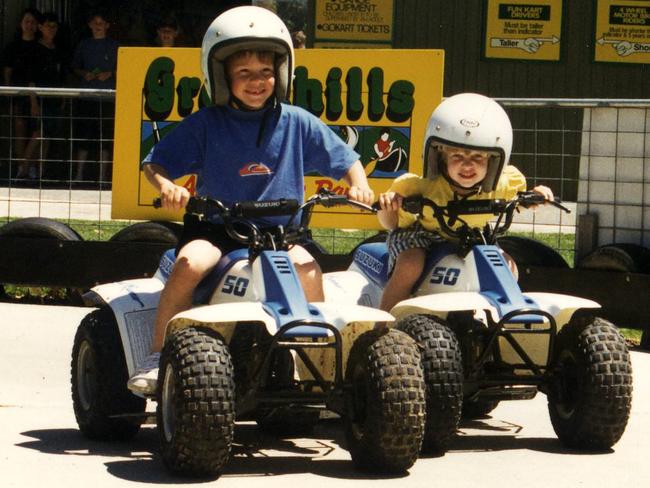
(471, 121)
(244, 28)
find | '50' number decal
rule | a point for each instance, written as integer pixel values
(444, 276)
(235, 286)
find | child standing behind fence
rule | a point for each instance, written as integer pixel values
(95, 63)
(19, 61)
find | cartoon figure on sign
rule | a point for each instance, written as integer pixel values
(390, 159)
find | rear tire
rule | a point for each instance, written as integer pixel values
(196, 403)
(591, 389)
(384, 402)
(99, 377)
(443, 377)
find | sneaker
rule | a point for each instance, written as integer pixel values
(145, 378)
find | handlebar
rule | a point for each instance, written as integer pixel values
(453, 212)
(239, 212)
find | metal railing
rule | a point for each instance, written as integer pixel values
(558, 142)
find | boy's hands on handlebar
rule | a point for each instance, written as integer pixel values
(174, 197)
(361, 194)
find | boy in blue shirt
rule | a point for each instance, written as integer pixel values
(247, 146)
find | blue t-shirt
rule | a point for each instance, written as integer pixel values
(97, 55)
(220, 145)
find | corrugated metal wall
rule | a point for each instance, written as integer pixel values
(458, 28)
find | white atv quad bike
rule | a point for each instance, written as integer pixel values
(252, 348)
(484, 341)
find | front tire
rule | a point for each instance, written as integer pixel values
(196, 403)
(385, 406)
(99, 376)
(591, 390)
(443, 377)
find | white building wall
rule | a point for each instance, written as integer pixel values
(614, 180)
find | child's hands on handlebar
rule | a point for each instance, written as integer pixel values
(173, 197)
(390, 201)
(544, 191)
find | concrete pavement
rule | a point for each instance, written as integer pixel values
(41, 445)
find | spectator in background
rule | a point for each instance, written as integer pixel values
(50, 72)
(167, 32)
(95, 64)
(299, 40)
(19, 61)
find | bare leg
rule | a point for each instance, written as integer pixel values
(20, 129)
(31, 150)
(103, 165)
(81, 157)
(406, 272)
(193, 262)
(309, 273)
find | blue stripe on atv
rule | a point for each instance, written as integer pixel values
(372, 259)
(285, 298)
(499, 286)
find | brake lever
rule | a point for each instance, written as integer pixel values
(558, 203)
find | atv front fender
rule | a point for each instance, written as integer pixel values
(441, 304)
(562, 307)
(222, 318)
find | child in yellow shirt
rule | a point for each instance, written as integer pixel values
(467, 148)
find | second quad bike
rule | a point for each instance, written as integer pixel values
(483, 340)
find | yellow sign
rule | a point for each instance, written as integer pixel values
(351, 23)
(377, 104)
(622, 31)
(523, 29)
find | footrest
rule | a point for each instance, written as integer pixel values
(508, 393)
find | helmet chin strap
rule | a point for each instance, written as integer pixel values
(270, 105)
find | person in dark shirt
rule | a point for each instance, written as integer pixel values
(19, 63)
(95, 63)
(49, 72)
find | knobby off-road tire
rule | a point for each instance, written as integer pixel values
(196, 403)
(99, 377)
(443, 377)
(591, 391)
(384, 401)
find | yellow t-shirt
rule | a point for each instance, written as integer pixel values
(439, 191)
